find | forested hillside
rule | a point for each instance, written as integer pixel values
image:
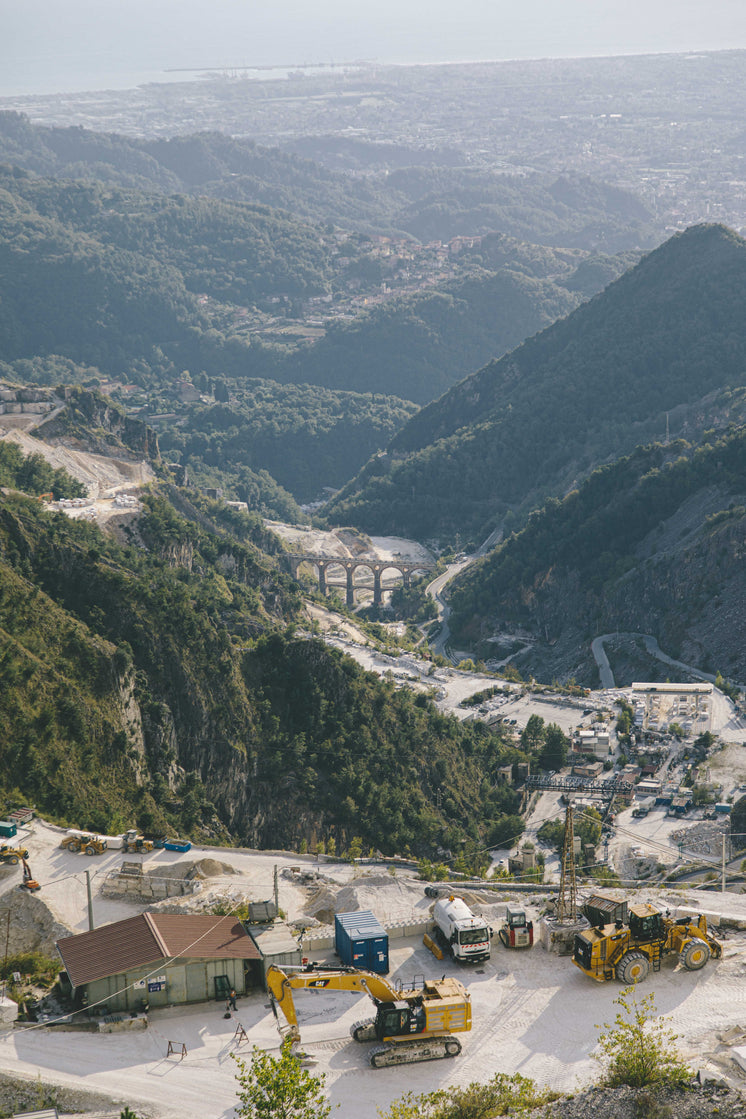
(109, 282)
(159, 683)
(419, 346)
(586, 389)
(652, 543)
(440, 202)
(107, 276)
(305, 437)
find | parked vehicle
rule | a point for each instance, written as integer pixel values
(629, 952)
(517, 932)
(459, 932)
(132, 842)
(410, 1025)
(11, 856)
(87, 842)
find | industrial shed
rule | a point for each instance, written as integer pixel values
(160, 959)
(276, 945)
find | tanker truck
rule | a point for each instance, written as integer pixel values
(459, 932)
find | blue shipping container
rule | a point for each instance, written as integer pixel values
(360, 941)
(7, 829)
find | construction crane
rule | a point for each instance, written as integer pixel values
(412, 1024)
(567, 899)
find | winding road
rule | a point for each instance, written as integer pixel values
(439, 644)
(653, 648)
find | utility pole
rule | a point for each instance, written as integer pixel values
(277, 891)
(7, 941)
(91, 925)
(722, 886)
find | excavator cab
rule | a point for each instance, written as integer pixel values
(396, 1019)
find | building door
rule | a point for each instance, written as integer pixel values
(177, 988)
(196, 983)
(222, 987)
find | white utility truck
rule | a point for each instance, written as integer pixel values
(459, 932)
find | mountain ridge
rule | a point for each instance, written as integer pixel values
(581, 392)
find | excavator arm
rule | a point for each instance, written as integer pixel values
(281, 985)
(413, 1025)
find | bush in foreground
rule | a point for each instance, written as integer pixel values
(638, 1049)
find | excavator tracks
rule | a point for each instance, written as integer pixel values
(409, 1052)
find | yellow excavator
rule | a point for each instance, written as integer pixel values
(412, 1024)
(629, 952)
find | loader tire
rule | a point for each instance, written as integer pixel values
(694, 955)
(633, 968)
(13, 860)
(90, 849)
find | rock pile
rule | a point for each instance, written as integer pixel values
(136, 881)
(33, 928)
(660, 1103)
(705, 838)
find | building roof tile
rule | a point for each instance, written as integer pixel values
(152, 937)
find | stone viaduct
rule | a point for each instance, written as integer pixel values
(350, 565)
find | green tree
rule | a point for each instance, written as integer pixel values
(554, 750)
(279, 1087)
(638, 1049)
(533, 734)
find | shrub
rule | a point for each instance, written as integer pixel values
(502, 1095)
(638, 1048)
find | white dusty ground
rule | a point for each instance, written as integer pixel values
(317, 542)
(532, 1012)
(102, 475)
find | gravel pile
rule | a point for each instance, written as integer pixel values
(17, 1095)
(643, 1103)
(705, 838)
(33, 928)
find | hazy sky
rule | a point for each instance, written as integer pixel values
(79, 43)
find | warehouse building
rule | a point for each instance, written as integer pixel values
(160, 959)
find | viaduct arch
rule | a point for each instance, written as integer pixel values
(350, 566)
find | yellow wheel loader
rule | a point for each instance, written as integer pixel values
(131, 841)
(630, 952)
(91, 844)
(411, 1024)
(12, 856)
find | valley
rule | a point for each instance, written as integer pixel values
(372, 526)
